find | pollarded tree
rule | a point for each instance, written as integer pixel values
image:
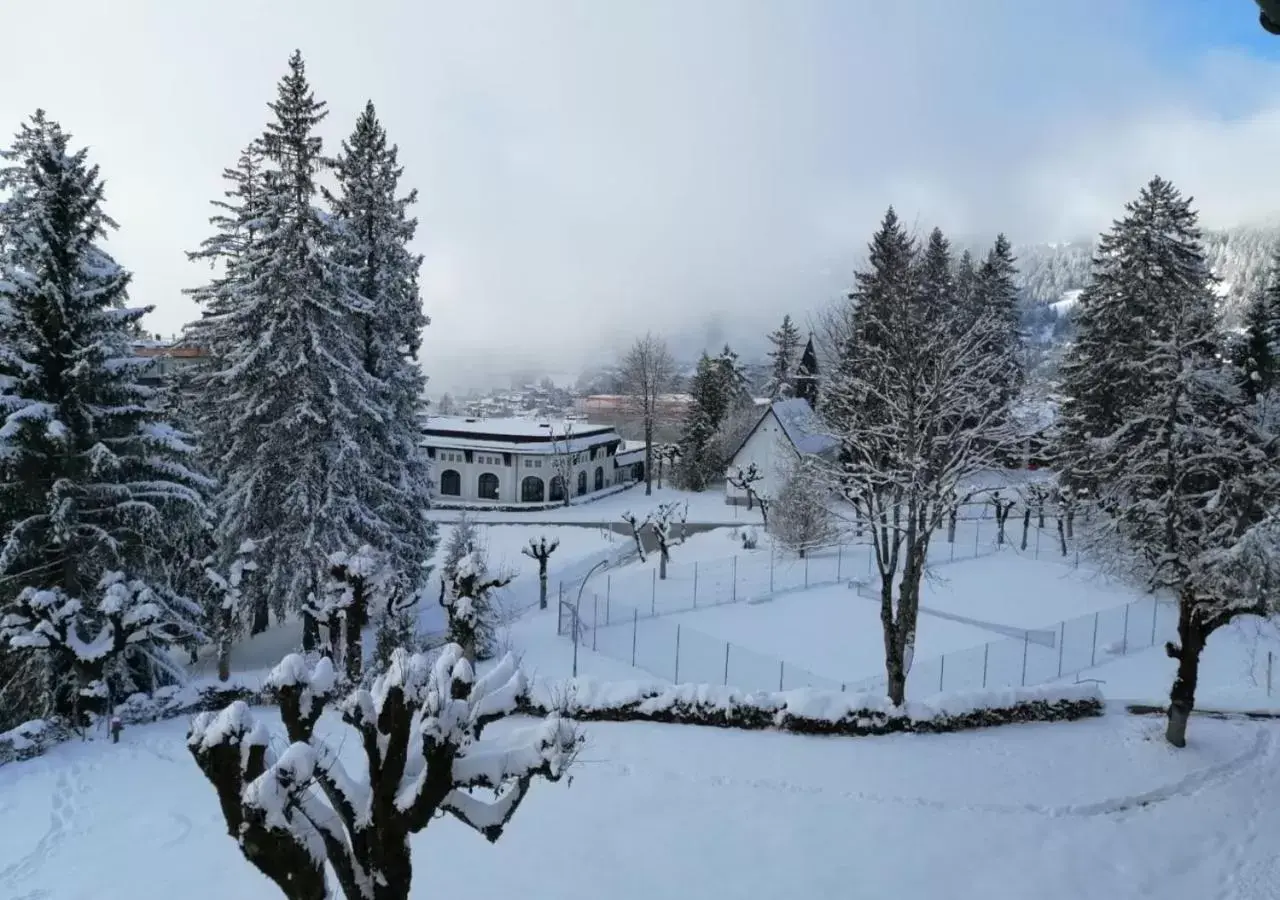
(782, 359)
(421, 727)
(92, 481)
(375, 230)
(539, 550)
(910, 403)
(467, 597)
(301, 402)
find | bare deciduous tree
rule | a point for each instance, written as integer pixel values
(636, 525)
(802, 518)
(564, 462)
(648, 372)
(421, 728)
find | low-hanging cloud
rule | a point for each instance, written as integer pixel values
(591, 169)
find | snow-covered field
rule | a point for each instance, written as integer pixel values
(1095, 809)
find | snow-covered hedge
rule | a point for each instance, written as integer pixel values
(808, 711)
(803, 711)
(31, 739)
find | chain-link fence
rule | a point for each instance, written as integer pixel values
(760, 574)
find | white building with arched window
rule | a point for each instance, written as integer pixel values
(508, 462)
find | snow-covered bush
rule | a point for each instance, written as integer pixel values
(802, 518)
(421, 727)
(86, 638)
(464, 537)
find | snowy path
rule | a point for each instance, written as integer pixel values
(1097, 809)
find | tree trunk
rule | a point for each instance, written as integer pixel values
(951, 526)
(394, 866)
(357, 618)
(1071, 524)
(1062, 535)
(261, 614)
(662, 562)
(895, 670)
(1026, 527)
(310, 633)
(542, 584)
(1192, 635)
(648, 453)
(224, 657)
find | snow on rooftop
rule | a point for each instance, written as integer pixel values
(802, 427)
(510, 427)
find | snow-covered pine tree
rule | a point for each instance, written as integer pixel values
(1190, 472)
(1257, 351)
(463, 538)
(91, 480)
(938, 276)
(782, 359)
(736, 384)
(806, 377)
(376, 230)
(1104, 371)
(300, 401)
(995, 292)
(910, 403)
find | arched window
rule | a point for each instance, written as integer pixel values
(557, 489)
(531, 489)
(599, 478)
(488, 486)
(450, 483)
(582, 482)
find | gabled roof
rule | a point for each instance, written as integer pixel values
(800, 425)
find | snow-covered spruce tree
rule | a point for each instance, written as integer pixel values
(807, 375)
(909, 402)
(539, 549)
(701, 460)
(464, 537)
(466, 594)
(1257, 351)
(801, 517)
(375, 232)
(91, 480)
(995, 296)
(208, 406)
(1190, 474)
(783, 358)
(421, 727)
(301, 404)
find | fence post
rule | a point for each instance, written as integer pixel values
(977, 536)
(733, 595)
(1093, 655)
(608, 586)
(1026, 640)
(695, 584)
(771, 570)
(806, 571)
(839, 559)
(1062, 642)
(635, 630)
(1038, 530)
(781, 668)
(726, 663)
(1155, 610)
(653, 594)
(942, 671)
(595, 619)
(1124, 641)
(1268, 673)
(986, 650)
(677, 678)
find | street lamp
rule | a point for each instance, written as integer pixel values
(577, 606)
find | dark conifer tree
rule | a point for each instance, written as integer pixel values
(807, 375)
(1257, 351)
(782, 359)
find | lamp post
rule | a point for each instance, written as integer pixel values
(577, 606)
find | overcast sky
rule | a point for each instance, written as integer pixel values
(589, 169)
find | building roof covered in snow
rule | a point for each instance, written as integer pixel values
(515, 435)
(801, 426)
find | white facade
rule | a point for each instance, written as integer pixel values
(773, 455)
(508, 462)
(786, 430)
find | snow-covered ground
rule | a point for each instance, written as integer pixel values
(1094, 809)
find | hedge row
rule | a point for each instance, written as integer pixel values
(798, 712)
